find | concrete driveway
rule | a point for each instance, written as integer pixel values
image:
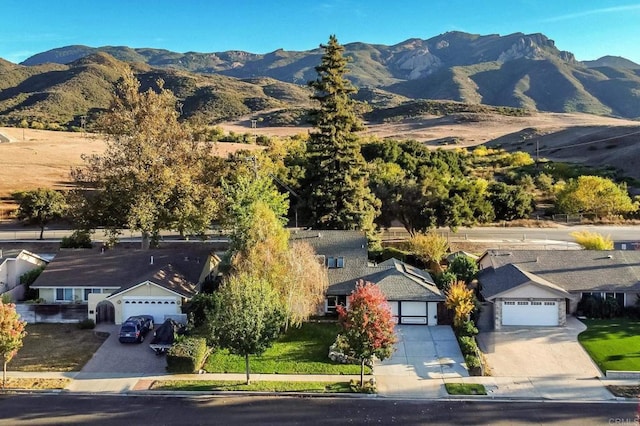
(422, 353)
(130, 358)
(538, 352)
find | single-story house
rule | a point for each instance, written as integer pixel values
(542, 287)
(119, 283)
(14, 264)
(411, 292)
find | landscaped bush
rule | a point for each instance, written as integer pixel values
(87, 324)
(187, 355)
(472, 362)
(468, 345)
(468, 328)
(79, 239)
(595, 307)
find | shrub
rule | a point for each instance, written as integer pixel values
(467, 328)
(27, 279)
(444, 280)
(79, 239)
(468, 345)
(368, 387)
(87, 324)
(472, 361)
(187, 355)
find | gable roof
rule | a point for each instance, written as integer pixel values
(509, 277)
(175, 269)
(571, 270)
(20, 254)
(396, 279)
(166, 277)
(351, 245)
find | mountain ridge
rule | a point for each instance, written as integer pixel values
(516, 70)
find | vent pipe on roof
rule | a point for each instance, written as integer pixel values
(609, 256)
(151, 261)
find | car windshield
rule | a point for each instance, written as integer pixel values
(127, 329)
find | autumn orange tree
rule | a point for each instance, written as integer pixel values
(367, 325)
(460, 300)
(11, 334)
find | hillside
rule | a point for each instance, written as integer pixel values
(60, 94)
(517, 70)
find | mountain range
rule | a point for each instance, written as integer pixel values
(524, 71)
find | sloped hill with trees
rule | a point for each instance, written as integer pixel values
(516, 70)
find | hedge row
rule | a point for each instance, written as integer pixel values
(187, 355)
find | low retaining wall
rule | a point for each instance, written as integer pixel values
(614, 375)
(52, 313)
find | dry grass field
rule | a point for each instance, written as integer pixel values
(39, 158)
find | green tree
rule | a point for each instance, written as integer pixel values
(464, 268)
(152, 176)
(292, 269)
(510, 202)
(12, 331)
(338, 195)
(367, 325)
(40, 207)
(594, 195)
(247, 318)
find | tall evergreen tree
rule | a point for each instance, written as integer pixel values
(336, 179)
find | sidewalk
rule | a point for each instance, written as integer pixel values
(530, 388)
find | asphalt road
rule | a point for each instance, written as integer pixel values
(47, 409)
(505, 234)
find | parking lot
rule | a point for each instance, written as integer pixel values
(130, 358)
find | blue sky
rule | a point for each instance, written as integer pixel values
(588, 28)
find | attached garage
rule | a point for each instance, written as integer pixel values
(159, 307)
(411, 312)
(530, 312)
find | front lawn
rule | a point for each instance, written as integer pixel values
(301, 350)
(465, 389)
(55, 347)
(228, 385)
(613, 344)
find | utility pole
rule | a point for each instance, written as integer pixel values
(537, 152)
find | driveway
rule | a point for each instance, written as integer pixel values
(128, 359)
(538, 352)
(422, 353)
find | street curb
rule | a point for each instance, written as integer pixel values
(252, 393)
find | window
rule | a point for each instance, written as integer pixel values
(334, 301)
(549, 303)
(335, 262)
(64, 294)
(509, 303)
(523, 303)
(88, 291)
(536, 303)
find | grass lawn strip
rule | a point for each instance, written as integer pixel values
(465, 389)
(625, 391)
(26, 383)
(612, 344)
(55, 347)
(301, 350)
(263, 386)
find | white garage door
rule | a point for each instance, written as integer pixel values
(525, 312)
(156, 306)
(413, 312)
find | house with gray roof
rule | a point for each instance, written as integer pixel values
(411, 292)
(118, 283)
(13, 265)
(542, 287)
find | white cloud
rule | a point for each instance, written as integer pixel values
(592, 12)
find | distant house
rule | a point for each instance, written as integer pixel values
(14, 264)
(411, 292)
(540, 288)
(116, 284)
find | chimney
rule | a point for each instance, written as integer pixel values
(151, 261)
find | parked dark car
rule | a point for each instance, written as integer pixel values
(134, 329)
